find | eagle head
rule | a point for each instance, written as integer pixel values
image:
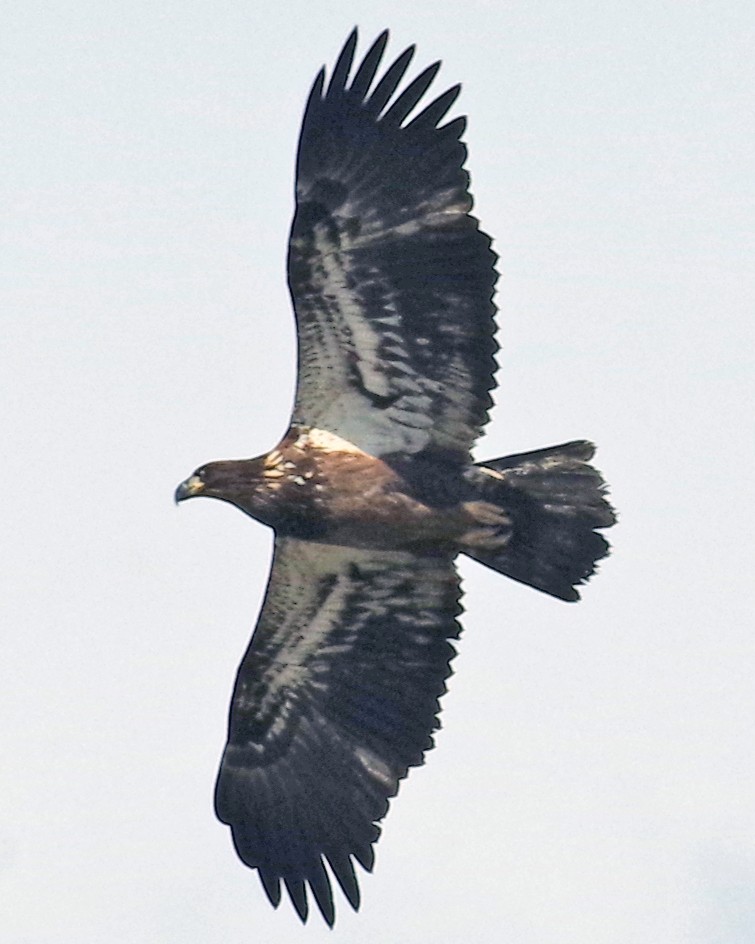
(269, 488)
(231, 480)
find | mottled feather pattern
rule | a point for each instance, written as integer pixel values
(391, 278)
(334, 701)
(372, 492)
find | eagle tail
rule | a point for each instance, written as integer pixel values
(538, 512)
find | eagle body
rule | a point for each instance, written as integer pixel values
(372, 492)
(317, 486)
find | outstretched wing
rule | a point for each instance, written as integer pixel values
(336, 697)
(390, 276)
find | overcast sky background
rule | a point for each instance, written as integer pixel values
(594, 778)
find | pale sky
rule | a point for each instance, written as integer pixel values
(593, 782)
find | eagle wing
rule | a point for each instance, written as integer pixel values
(336, 697)
(391, 277)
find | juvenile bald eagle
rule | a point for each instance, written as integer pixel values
(372, 492)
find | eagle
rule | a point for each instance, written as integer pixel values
(372, 492)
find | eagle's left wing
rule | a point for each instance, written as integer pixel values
(336, 697)
(390, 275)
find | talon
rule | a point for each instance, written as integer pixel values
(485, 538)
(485, 513)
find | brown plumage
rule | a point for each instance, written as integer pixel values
(372, 492)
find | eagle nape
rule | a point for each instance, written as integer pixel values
(372, 492)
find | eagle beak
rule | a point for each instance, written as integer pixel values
(192, 486)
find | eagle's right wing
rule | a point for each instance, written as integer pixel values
(390, 275)
(336, 697)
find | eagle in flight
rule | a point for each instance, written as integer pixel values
(372, 492)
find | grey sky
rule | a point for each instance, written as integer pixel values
(594, 778)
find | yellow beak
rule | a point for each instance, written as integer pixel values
(188, 489)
